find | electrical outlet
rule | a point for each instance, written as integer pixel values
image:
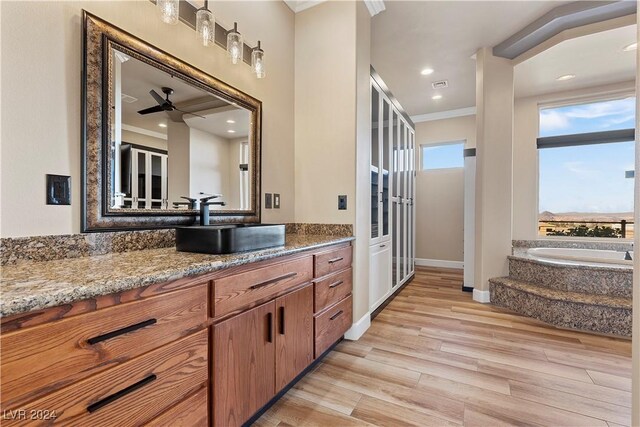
(268, 200)
(58, 190)
(276, 201)
(342, 202)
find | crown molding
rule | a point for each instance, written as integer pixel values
(440, 115)
(298, 5)
(143, 131)
(375, 6)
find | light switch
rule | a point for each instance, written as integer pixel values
(58, 190)
(268, 200)
(342, 202)
(276, 201)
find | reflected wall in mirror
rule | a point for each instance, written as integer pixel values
(157, 131)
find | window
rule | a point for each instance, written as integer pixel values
(442, 156)
(585, 154)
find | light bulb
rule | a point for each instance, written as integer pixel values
(257, 61)
(169, 11)
(205, 26)
(234, 44)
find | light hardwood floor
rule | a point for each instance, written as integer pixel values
(434, 357)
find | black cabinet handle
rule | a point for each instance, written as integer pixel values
(274, 280)
(331, 261)
(117, 395)
(338, 283)
(336, 315)
(269, 327)
(121, 331)
(282, 320)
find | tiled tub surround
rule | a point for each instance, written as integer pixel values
(46, 248)
(28, 286)
(593, 298)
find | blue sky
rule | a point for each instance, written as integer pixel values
(588, 178)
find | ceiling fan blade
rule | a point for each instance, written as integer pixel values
(154, 109)
(159, 99)
(191, 114)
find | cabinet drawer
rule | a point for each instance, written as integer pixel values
(245, 290)
(331, 324)
(191, 412)
(131, 393)
(331, 261)
(332, 289)
(42, 358)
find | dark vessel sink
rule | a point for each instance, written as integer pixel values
(229, 238)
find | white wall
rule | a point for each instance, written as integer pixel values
(525, 153)
(145, 140)
(209, 163)
(40, 133)
(440, 193)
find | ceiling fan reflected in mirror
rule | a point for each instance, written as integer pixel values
(164, 104)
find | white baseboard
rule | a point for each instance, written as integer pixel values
(424, 262)
(481, 296)
(358, 328)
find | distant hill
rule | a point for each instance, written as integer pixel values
(585, 216)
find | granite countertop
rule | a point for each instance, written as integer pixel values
(32, 286)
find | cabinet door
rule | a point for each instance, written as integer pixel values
(379, 274)
(243, 365)
(294, 334)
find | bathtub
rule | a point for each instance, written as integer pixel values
(580, 256)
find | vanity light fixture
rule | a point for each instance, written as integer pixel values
(630, 47)
(169, 11)
(231, 121)
(436, 97)
(426, 71)
(257, 61)
(205, 25)
(234, 44)
(566, 77)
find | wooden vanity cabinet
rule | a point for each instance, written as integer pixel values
(259, 352)
(207, 350)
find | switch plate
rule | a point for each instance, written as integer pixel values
(267, 200)
(342, 202)
(276, 201)
(58, 190)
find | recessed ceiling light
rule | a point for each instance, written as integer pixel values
(426, 71)
(162, 125)
(629, 48)
(231, 131)
(436, 97)
(231, 121)
(566, 77)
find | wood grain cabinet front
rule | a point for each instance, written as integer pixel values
(332, 260)
(42, 358)
(244, 290)
(130, 394)
(331, 289)
(332, 323)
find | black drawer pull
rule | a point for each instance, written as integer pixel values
(117, 395)
(331, 261)
(274, 280)
(336, 315)
(269, 327)
(122, 331)
(282, 320)
(338, 283)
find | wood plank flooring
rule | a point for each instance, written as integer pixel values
(434, 357)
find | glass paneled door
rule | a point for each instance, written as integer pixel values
(380, 165)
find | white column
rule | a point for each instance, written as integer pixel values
(469, 220)
(494, 140)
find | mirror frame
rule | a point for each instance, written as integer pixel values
(98, 37)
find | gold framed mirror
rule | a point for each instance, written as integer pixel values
(157, 131)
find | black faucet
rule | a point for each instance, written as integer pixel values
(204, 207)
(191, 204)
